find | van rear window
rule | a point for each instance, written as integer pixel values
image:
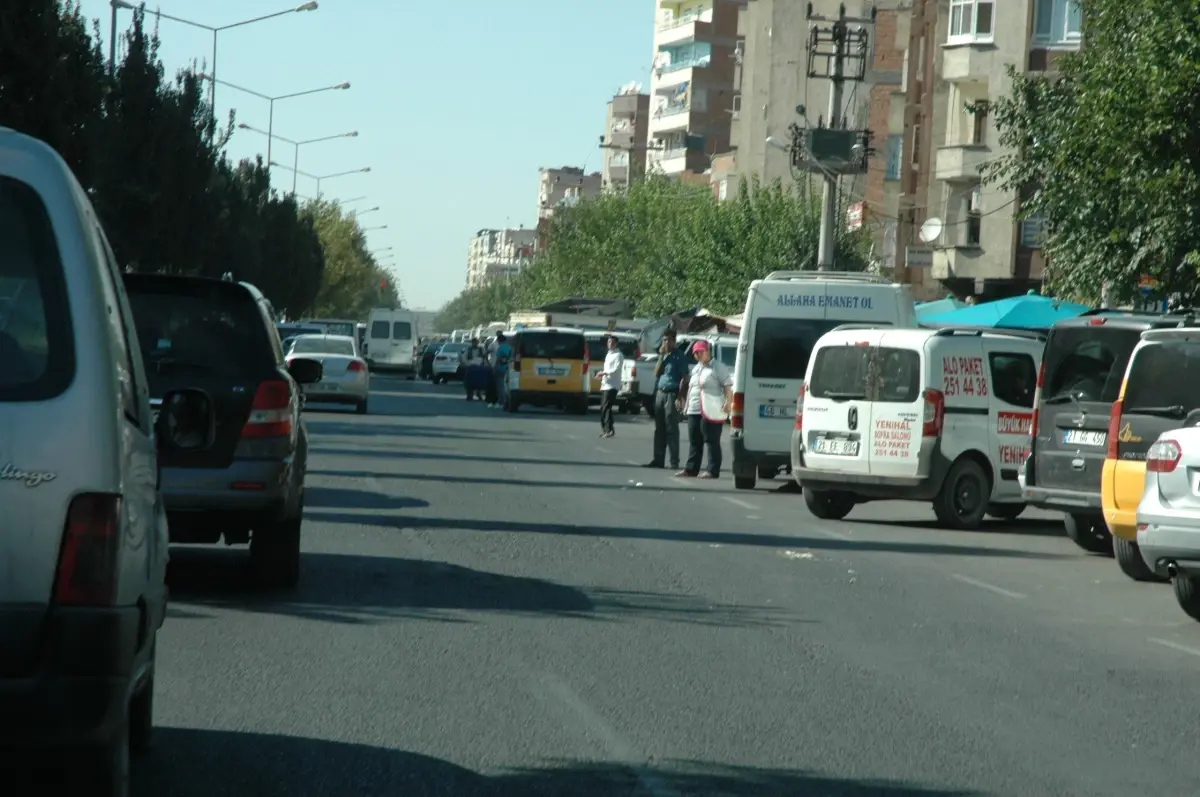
(551, 345)
(37, 353)
(401, 330)
(866, 372)
(782, 346)
(1164, 375)
(1088, 362)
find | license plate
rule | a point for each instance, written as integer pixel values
(1080, 437)
(776, 411)
(835, 447)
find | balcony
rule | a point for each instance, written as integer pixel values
(960, 163)
(678, 72)
(672, 117)
(683, 30)
(673, 161)
(960, 262)
(969, 62)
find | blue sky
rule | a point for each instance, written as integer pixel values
(457, 105)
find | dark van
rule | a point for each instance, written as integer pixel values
(1080, 378)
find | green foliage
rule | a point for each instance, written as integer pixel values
(353, 282)
(149, 152)
(663, 246)
(1106, 151)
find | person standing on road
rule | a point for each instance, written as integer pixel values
(610, 385)
(500, 362)
(668, 373)
(474, 371)
(706, 398)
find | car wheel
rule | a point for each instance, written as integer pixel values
(1090, 533)
(105, 770)
(275, 554)
(1005, 511)
(828, 504)
(963, 500)
(141, 708)
(1187, 593)
(361, 407)
(1129, 559)
(744, 482)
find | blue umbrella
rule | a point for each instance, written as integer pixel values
(1019, 312)
(938, 307)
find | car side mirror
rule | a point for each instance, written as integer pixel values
(186, 420)
(306, 371)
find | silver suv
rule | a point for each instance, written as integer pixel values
(83, 539)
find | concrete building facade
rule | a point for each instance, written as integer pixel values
(691, 83)
(565, 185)
(626, 124)
(499, 254)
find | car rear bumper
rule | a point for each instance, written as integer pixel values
(248, 485)
(337, 391)
(915, 488)
(1169, 536)
(1057, 499)
(79, 685)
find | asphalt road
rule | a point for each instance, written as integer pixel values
(506, 605)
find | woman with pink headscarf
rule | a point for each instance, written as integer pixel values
(705, 398)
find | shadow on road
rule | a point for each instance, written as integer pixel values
(673, 535)
(626, 484)
(204, 763)
(1029, 527)
(364, 589)
(336, 428)
(344, 498)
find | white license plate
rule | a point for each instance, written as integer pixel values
(835, 448)
(776, 411)
(1079, 437)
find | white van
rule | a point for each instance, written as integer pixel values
(786, 314)
(392, 339)
(917, 414)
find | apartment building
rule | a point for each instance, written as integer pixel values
(691, 83)
(623, 144)
(499, 254)
(983, 250)
(565, 185)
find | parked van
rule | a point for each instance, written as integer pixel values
(627, 342)
(917, 414)
(1082, 370)
(1160, 392)
(549, 369)
(392, 337)
(84, 541)
(786, 314)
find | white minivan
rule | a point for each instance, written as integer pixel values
(942, 416)
(786, 313)
(392, 339)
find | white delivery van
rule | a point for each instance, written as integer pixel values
(786, 314)
(918, 414)
(392, 339)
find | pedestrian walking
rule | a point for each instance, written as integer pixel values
(489, 365)
(706, 397)
(668, 373)
(610, 385)
(503, 355)
(475, 373)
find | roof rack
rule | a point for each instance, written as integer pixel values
(1030, 334)
(813, 276)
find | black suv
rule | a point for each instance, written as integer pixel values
(249, 485)
(1082, 369)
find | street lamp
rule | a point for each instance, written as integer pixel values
(271, 101)
(296, 144)
(357, 213)
(374, 252)
(213, 29)
(321, 177)
(372, 229)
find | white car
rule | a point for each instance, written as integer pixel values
(447, 362)
(346, 379)
(1168, 517)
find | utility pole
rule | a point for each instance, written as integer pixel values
(837, 53)
(916, 132)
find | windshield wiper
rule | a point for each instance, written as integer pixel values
(836, 396)
(1173, 411)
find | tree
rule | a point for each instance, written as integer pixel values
(353, 282)
(663, 246)
(1105, 152)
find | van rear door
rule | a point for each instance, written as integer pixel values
(836, 410)
(379, 337)
(893, 438)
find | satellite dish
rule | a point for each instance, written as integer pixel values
(931, 230)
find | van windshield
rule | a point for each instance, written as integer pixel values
(1164, 377)
(551, 345)
(782, 346)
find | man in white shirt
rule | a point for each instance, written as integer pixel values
(610, 385)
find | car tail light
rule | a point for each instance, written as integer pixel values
(416, 351)
(516, 361)
(1114, 429)
(87, 561)
(637, 353)
(737, 418)
(271, 413)
(1037, 402)
(633, 372)
(1163, 456)
(356, 367)
(1098, 321)
(799, 425)
(935, 413)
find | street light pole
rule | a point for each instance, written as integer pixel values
(296, 145)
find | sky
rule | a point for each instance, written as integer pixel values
(457, 105)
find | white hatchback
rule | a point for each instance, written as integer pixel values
(1168, 516)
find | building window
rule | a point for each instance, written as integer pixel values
(979, 118)
(895, 144)
(974, 217)
(970, 21)
(915, 155)
(1057, 22)
(1033, 232)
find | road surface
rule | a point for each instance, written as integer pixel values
(507, 606)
